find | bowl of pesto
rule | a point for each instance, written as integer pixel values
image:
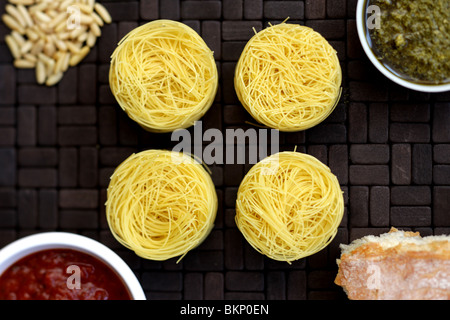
(408, 41)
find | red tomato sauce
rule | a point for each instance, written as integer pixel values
(45, 275)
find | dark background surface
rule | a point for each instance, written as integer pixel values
(388, 146)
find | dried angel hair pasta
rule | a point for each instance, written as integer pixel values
(288, 77)
(161, 204)
(289, 206)
(163, 76)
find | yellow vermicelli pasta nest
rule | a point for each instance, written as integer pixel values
(163, 75)
(288, 77)
(161, 204)
(289, 206)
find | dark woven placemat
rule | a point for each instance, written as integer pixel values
(389, 147)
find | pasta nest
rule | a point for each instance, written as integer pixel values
(161, 204)
(288, 77)
(289, 206)
(163, 75)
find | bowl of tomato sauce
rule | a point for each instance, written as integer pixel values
(64, 266)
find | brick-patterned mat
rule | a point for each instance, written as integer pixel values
(389, 147)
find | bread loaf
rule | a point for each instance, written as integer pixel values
(397, 265)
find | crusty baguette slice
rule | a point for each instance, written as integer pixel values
(397, 265)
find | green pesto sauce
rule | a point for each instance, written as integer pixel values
(414, 38)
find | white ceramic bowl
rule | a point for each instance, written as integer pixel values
(64, 240)
(363, 37)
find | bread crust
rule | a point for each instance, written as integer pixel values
(396, 266)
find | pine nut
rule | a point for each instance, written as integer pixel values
(24, 64)
(76, 59)
(91, 39)
(30, 57)
(25, 15)
(97, 19)
(24, 2)
(54, 79)
(13, 47)
(95, 29)
(26, 47)
(14, 12)
(40, 37)
(42, 17)
(102, 12)
(20, 40)
(12, 23)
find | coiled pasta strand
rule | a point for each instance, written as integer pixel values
(288, 77)
(161, 204)
(163, 75)
(289, 206)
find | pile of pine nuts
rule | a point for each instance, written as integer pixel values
(51, 35)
